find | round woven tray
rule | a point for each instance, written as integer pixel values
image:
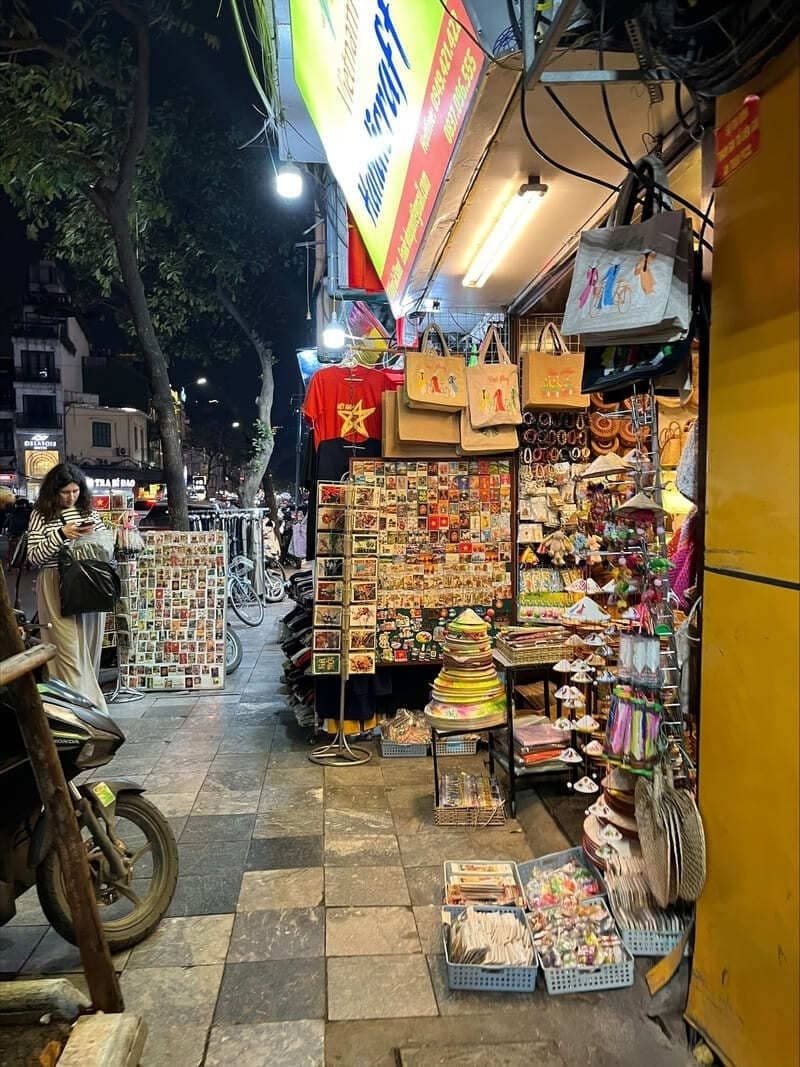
(653, 839)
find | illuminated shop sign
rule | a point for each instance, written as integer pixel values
(40, 442)
(387, 84)
(113, 483)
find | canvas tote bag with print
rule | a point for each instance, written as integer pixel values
(552, 379)
(423, 426)
(435, 382)
(631, 282)
(487, 441)
(493, 388)
(393, 448)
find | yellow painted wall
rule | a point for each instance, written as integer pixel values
(744, 988)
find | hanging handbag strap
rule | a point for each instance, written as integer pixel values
(559, 345)
(502, 353)
(433, 328)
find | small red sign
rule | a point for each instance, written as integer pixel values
(738, 139)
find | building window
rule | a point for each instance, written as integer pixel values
(101, 434)
(6, 436)
(38, 364)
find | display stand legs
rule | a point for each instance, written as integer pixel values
(122, 694)
(339, 753)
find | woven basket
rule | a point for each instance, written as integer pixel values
(473, 817)
(533, 656)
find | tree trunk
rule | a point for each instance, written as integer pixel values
(264, 443)
(163, 403)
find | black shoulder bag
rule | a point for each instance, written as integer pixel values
(86, 585)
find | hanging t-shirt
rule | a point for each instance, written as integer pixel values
(343, 405)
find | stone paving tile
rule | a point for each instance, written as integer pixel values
(221, 801)
(368, 774)
(300, 1045)
(167, 1045)
(188, 778)
(172, 996)
(290, 822)
(285, 888)
(428, 918)
(365, 886)
(280, 797)
(346, 850)
(357, 798)
(274, 852)
(358, 823)
(197, 858)
(379, 987)
(278, 934)
(424, 849)
(206, 894)
(54, 955)
(272, 990)
(193, 941)
(231, 779)
(375, 931)
(286, 761)
(205, 828)
(308, 777)
(16, 945)
(244, 741)
(173, 805)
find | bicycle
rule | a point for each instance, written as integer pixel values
(242, 595)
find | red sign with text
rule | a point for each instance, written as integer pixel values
(738, 139)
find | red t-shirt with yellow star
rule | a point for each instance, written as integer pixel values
(345, 403)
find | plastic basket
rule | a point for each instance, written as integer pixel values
(558, 859)
(448, 868)
(586, 979)
(495, 979)
(393, 749)
(650, 942)
(457, 746)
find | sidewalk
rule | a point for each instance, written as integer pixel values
(305, 926)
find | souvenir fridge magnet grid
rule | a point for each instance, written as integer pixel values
(176, 600)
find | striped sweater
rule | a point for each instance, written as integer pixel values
(45, 538)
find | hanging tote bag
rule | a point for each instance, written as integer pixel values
(425, 427)
(631, 282)
(487, 441)
(435, 382)
(86, 585)
(493, 388)
(552, 379)
(393, 448)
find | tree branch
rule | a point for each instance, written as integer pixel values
(137, 128)
(15, 45)
(263, 350)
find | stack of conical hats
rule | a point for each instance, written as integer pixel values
(467, 694)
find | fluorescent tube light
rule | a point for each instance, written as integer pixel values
(504, 233)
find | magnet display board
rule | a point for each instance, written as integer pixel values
(175, 606)
(443, 536)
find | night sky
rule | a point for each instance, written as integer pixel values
(218, 83)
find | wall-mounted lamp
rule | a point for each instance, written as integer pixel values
(509, 225)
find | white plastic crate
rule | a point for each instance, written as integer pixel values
(494, 979)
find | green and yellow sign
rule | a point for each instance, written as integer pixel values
(387, 84)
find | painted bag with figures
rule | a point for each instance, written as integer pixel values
(631, 282)
(493, 388)
(435, 382)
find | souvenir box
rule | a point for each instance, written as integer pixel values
(497, 978)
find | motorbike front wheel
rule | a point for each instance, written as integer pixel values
(129, 910)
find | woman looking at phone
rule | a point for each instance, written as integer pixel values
(62, 515)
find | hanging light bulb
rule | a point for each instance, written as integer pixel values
(289, 180)
(333, 335)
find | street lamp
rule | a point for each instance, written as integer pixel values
(213, 401)
(289, 180)
(202, 381)
(236, 425)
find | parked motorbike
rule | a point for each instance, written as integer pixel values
(132, 853)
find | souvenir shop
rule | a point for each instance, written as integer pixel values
(505, 545)
(520, 531)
